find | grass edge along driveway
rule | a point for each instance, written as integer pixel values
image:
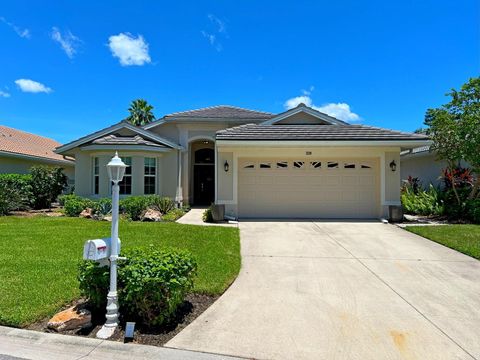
(463, 238)
(39, 257)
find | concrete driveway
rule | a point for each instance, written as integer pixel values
(342, 290)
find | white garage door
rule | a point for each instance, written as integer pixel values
(308, 188)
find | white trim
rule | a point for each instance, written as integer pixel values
(216, 175)
(382, 178)
(125, 147)
(120, 125)
(196, 120)
(324, 143)
(201, 137)
(305, 109)
(392, 203)
(37, 158)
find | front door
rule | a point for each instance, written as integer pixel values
(204, 184)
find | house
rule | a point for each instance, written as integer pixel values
(423, 164)
(300, 163)
(20, 150)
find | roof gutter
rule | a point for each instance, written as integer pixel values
(405, 144)
(37, 158)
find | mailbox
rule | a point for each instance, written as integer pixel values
(98, 249)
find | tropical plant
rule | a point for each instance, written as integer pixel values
(454, 129)
(422, 202)
(17, 191)
(140, 113)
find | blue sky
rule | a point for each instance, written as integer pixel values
(71, 68)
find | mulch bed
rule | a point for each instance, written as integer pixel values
(194, 306)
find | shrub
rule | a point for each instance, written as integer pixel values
(151, 283)
(74, 205)
(162, 204)
(17, 191)
(424, 202)
(207, 216)
(8, 201)
(64, 198)
(134, 206)
(462, 177)
(473, 210)
(102, 207)
(173, 215)
(47, 184)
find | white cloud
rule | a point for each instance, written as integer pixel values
(68, 42)
(129, 50)
(4, 94)
(23, 33)
(340, 111)
(212, 39)
(219, 29)
(27, 85)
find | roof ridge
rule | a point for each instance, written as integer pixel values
(216, 107)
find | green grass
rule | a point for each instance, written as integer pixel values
(39, 258)
(463, 238)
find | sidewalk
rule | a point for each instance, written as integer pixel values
(18, 344)
(194, 217)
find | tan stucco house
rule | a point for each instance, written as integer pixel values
(20, 150)
(297, 164)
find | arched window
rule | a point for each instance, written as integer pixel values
(204, 156)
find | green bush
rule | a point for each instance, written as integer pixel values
(134, 206)
(17, 191)
(102, 207)
(47, 184)
(173, 215)
(207, 216)
(8, 201)
(473, 210)
(64, 198)
(423, 202)
(151, 283)
(162, 204)
(74, 205)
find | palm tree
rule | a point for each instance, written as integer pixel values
(140, 113)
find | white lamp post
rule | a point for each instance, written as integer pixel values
(116, 170)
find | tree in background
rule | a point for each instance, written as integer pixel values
(140, 113)
(455, 130)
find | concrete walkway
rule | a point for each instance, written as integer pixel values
(195, 217)
(17, 344)
(345, 290)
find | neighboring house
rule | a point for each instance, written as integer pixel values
(297, 164)
(19, 151)
(422, 163)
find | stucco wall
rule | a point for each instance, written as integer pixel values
(9, 165)
(425, 167)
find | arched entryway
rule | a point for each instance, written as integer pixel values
(203, 172)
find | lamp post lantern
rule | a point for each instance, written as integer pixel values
(116, 170)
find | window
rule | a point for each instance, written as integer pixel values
(349, 165)
(282, 164)
(126, 183)
(150, 169)
(298, 164)
(315, 164)
(96, 176)
(366, 166)
(265, 166)
(249, 166)
(332, 165)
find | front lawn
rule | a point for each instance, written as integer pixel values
(463, 238)
(39, 258)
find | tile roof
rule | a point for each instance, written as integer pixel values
(20, 142)
(314, 132)
(124, 140)
(221, 112)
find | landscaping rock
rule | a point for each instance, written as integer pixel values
(87, 213)
(151, 215)
(73, 318)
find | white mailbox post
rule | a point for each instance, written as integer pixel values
(116, 170)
